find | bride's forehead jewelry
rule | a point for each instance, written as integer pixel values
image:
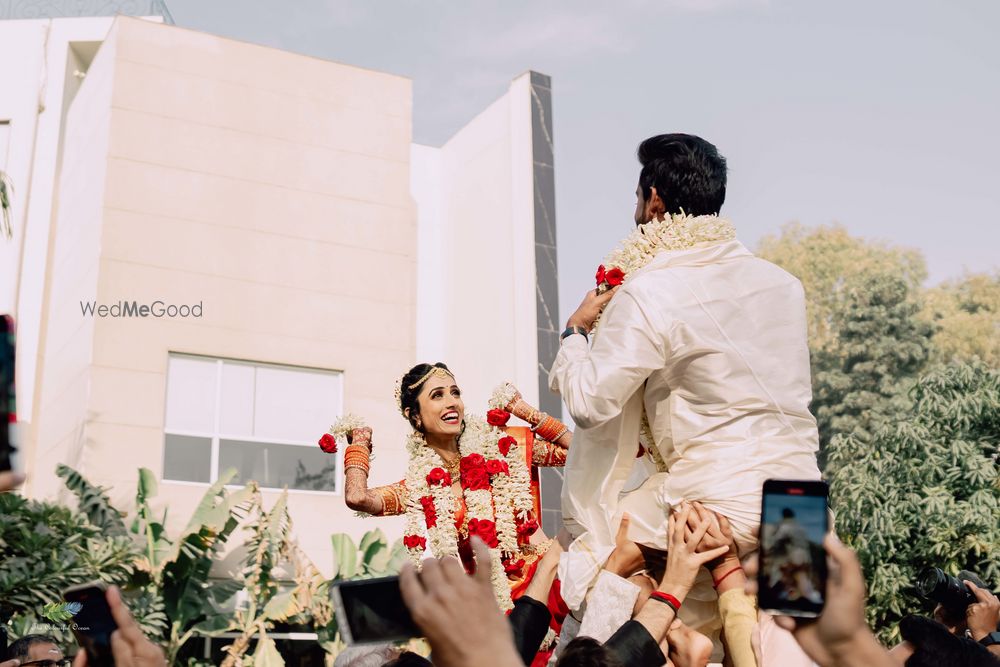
(434, 371)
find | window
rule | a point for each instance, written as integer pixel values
(261, 419)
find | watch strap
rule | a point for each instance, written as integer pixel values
(991, 639)
(569, 331)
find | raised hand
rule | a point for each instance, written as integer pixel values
(627, 558)
(458, 613)
(683, 557)
(361, 436)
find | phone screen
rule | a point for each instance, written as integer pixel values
(372, 610)
(794, 520)
(93, 624)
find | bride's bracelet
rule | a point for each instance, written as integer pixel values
(357, 456)
(550, 428)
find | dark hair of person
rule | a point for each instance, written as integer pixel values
(687, 172)
(20, 648)
(408, 395)
(588, 652)
(409, 659)
(787, 513)
(935, 646)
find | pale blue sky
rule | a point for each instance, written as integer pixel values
(880, 115)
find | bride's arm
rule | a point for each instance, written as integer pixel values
(547, 428)
(379, 501)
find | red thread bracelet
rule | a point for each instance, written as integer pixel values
(667, 599)
(738, 568)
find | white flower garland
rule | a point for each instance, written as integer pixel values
(675, 232)
(509, 500)
(502, 396)
(343, 426)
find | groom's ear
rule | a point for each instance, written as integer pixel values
(655, 208)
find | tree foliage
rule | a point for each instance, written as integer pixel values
(923, 491)
(830, 262)
(966, 316)
(879, 346)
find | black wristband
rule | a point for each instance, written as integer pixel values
(569, 331)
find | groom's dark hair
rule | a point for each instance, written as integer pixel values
(687, 172)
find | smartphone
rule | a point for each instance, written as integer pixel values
(794, 518)
(8, 415)
(93, 624)
(372, 611)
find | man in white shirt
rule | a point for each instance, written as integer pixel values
(708, 343)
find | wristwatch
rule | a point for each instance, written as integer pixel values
(990, 639)
(573, 330)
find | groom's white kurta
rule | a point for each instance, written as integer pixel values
(712, 341)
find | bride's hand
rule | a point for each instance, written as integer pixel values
(361, 436)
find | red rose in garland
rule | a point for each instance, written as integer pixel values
(495, 467)
(472, 461)
(430, 514)
(505, 443)
(328, 444)
(438, 477)
(476, 479)
(486, 530)
(414, 542)
(614, 277)
(497, 417)
(514, 566)
(527, 527)
(600, 275)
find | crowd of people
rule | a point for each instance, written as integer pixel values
(687, 374)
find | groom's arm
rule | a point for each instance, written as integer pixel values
(596, 381)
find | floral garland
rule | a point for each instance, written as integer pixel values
(338, 433)
(498, 501)
(675, 232)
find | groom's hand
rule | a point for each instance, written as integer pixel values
(591, 306)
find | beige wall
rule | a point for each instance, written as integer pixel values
(476, 301)
(259, 183)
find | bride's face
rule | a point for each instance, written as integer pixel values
(441, 407)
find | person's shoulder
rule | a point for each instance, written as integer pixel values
(775, 272)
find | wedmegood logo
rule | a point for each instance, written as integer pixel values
(136, 309)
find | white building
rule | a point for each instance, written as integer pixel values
(281, 195)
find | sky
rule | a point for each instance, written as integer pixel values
(881, 116)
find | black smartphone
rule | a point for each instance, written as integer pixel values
(8, 445)
(793, 521)
(371, 611)
(92, 623)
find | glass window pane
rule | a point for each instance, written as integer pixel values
(273, 465)
(187, 458)
(236, 399)
(295, 404)
(191, 394)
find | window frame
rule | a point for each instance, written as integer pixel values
(216, 436)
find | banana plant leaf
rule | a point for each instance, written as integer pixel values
(345, 556)
(267, 654)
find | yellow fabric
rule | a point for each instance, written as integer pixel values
(739, 616)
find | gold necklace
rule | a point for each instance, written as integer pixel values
(453, 467)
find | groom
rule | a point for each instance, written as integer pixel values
(709, 343)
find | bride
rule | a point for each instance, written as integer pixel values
(466, 475)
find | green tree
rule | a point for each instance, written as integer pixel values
(923, 491)
(880, 346)
(966, 316)
(829, 262)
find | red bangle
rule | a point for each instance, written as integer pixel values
(738, 568)
(667, 599)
